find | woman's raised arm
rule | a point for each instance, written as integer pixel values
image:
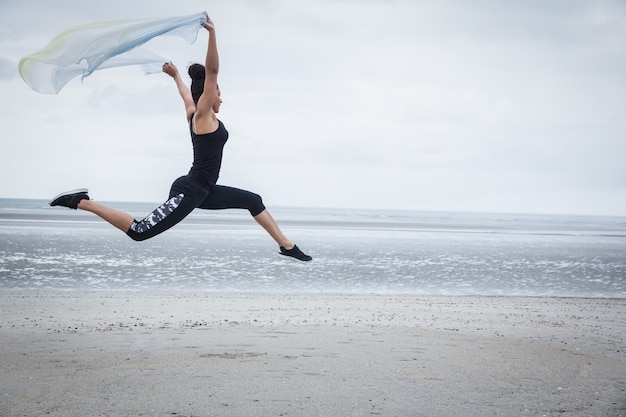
(171, 70)
(212, 66)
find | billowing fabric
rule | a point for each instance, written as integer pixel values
(82, 50)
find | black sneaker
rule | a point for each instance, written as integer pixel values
(70, 199)
(295, 252)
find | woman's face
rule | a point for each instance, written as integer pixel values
(217, 102)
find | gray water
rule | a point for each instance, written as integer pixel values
(354, 251)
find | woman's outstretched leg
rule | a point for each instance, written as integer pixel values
(80, 199)
(117, 218)
(167, 215)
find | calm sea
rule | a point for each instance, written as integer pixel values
(355, 251)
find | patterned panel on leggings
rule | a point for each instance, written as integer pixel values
(158, 215)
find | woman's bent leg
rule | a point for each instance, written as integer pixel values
(268, 223)
(222, 197)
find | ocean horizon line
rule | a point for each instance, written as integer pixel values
(363, 209)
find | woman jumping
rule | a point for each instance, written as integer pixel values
(197, 189)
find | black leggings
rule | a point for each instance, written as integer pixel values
(185, 195)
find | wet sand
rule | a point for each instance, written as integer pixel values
(212, 354)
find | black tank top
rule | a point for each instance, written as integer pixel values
(207, 154)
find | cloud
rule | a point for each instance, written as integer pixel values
(484, 105)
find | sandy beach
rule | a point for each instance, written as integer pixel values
(212, 354)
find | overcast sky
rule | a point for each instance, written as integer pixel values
(499, 106)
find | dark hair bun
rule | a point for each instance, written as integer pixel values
(196, 72)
